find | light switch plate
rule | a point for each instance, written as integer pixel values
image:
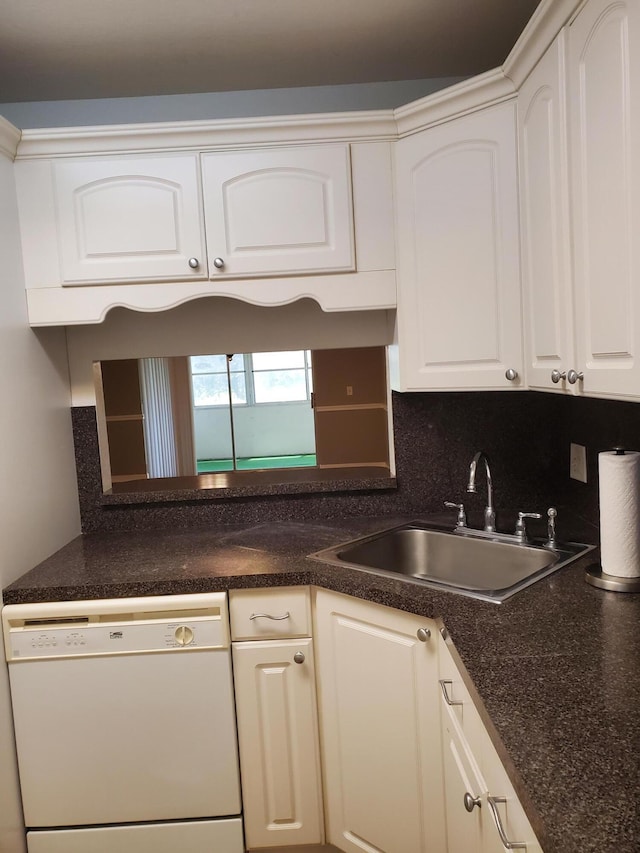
(578, 463)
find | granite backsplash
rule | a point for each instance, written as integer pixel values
(525, 434)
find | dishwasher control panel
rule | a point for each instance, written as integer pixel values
(73, 639)
(105, 627)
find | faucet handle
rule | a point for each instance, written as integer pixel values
(552, 514)
(461, 520)
(521, 527)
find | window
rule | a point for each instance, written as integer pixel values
(281, 377)
(256, 378)
(210, 382)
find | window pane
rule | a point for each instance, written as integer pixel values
(279, 386)
(276, 360)
(208, 364)
(211, 389)
(236, 365)
(238, 388)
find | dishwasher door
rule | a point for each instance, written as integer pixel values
(144, 731)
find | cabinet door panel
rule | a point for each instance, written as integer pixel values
(461, 776)
(459, 323)
(380, 728)
(129, 219)
(279, 211)
(604, 42)
(278, 740)
(544, 199)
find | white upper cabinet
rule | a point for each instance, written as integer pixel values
(579, 125)
(459, 323)
(280, 211)
(135, 219)
(151, 232)
(604, 92)
(546, 233)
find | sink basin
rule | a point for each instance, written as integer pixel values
(480, 567)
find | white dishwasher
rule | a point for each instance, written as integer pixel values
(125, 724)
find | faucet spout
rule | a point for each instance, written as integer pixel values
(489, 511)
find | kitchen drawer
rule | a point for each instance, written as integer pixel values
(266, 614)
(455, 698)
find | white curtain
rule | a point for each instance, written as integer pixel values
(159, 433)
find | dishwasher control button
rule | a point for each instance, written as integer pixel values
(183, 635)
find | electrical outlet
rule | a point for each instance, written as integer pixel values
(578, 463)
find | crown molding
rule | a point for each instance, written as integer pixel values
(209, 135)
(9, 138)
(483, 90)
(358, 126)
(544, 25)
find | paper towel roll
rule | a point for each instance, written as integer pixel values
(620, 513)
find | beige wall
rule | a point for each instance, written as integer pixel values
(38, 493)
(216, 325)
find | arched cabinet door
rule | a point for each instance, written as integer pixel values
(459, 324)
(129, 219)
(285, 211)
(604, 97)
(545, 224)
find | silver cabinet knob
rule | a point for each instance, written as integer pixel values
(573, 376)
(299, 657)
(194, 263)
(218, 263)
(470, 802)
(423, 634)
(511, 374)
(556, 376)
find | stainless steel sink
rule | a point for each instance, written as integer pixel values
(480, 567)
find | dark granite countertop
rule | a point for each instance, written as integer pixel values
(556, 668)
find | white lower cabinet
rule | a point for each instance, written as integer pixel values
(380, 727)
(277, 721)
(461, 779)
(407, 763)
(483, 813)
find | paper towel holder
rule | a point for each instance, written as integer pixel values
(596, 577)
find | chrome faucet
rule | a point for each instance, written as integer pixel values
(489, 511)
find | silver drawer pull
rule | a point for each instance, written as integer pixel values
(269, 616)
(508, 845)
(443, 686)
